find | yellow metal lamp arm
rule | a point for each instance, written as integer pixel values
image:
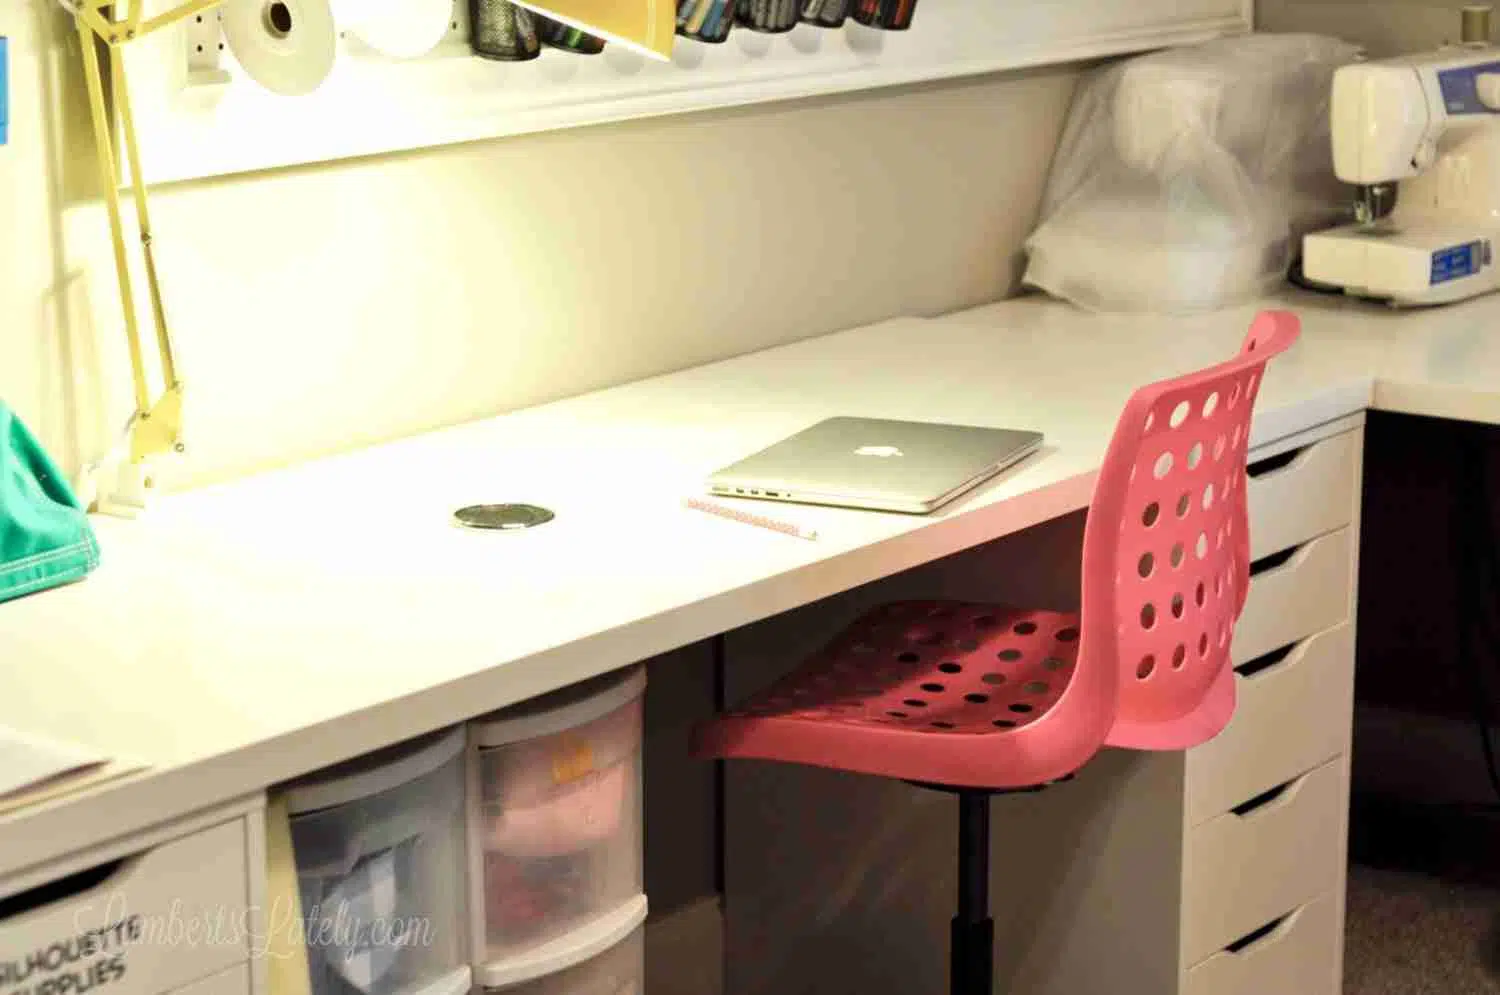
(155, 428)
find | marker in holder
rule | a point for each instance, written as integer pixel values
(566, 37)
(770, 16)
(887, 15)
(706, 20)
(825, 13)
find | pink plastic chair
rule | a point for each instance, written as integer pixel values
(979, 699)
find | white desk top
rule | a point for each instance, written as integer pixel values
(249, 633)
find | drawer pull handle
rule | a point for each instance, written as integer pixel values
(1262, 800)
(1271, 464)
(1273, 561)
(73, 885)
(1261, 664)
(1255, 936)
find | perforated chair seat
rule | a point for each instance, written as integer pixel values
(905, 691)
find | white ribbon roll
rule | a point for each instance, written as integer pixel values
(287, 46)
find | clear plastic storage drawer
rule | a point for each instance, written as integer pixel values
(556, 809)
(380, 859)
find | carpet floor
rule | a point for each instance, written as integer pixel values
(1412, 933)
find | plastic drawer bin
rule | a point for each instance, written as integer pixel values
(380, 858)
(555, 799)
(607, 957)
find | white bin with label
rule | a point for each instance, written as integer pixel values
(555, 810)
(173, 909)
(379, 847)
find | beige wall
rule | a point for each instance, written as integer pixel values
(321, 308)
(1384, 27)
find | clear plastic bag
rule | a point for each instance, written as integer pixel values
(1184, 179)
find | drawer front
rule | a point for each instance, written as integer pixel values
(1251, 865)
(1294, 711)
(1299, 953)
(1295, 497)
(234, 981)
(1289, 599)
(171, 915)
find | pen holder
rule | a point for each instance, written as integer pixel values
(770, 16)
(887, 15)
(825, 13)
(706, 20)
(570, 39)
(502, 31)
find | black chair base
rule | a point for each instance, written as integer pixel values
(971, 964)
(971, 957)
(971, 952)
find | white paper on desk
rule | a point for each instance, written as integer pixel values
(28, 761)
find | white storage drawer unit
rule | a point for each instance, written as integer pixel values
(176, 909)
(555, 835)
(1265, 804)
(378, 844)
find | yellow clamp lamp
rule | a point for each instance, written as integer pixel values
(155, 428)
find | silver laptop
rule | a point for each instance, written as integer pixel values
(871, 463)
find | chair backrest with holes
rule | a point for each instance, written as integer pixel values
(1166, 553)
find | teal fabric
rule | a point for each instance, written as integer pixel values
(45, 538)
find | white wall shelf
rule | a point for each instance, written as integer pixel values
(199, 115)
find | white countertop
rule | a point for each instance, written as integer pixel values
(248, 633)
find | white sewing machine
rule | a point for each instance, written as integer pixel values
(1431, 122)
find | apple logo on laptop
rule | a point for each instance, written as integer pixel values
(884, 452)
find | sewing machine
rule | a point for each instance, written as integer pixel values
(1428, 122)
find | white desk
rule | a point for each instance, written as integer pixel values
(249, 633)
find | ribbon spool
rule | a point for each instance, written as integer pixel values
(402, 29)
(287, 46)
